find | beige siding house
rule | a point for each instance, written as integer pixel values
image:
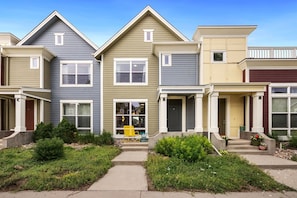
(131, 73)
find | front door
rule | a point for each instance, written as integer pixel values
(174, 115)
(30, 114)
(222, 116)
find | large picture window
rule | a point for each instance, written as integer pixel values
(76, 73)
(78, 113)
(284, 110)
(130, 113)
(130, 71)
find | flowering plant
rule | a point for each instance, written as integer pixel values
(256, 139)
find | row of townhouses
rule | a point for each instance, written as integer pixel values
(148, 75)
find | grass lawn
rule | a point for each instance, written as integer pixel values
(228, 173)
(78, 169)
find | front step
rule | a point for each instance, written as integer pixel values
(134, 146)
(1, 144)
(243, 147)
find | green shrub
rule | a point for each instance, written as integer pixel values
(293, 142)
(85, 138)
(189, 148)
(49, 149)
(43, 131)
(104, 139)
(66, 131)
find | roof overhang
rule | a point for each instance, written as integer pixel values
(275, 64)
(180, 90)
(27, 50)
(175, 47)
(37, 93)
(237, 88)
(223, 30)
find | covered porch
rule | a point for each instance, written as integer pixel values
(22, 108)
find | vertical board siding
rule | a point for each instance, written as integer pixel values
(20, 73)
(132, 45)
(74, 48)
(184, 70)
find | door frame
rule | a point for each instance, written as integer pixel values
(227, 114)
(183, 98)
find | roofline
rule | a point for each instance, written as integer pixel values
(47, 19)
(10, 34)
(134, 20)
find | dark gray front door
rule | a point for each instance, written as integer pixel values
(174, 115)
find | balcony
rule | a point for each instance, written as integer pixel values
(272, 52)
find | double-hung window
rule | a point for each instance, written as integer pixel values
(130, 112)
(130, 71)
(78, 113)
(76, 73)
(283, 110)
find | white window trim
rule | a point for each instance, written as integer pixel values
(280, 95)
(32, 66)
(77, 102)
(57, 35)
(169, 59)
(76, 62)
(145, 31)
(218, 51)
(129, 100)
(130, 83)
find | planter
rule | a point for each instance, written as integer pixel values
(261, 147)
(255, 142)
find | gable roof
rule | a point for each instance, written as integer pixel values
(48, 20)
(146, 10)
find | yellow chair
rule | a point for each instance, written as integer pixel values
(129, 132)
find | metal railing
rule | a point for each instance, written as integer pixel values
(272, 52)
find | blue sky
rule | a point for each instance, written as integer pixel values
(99, 20)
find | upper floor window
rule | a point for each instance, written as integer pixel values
(130, 71)
(218, 57)
(76, 73)
(34, 63)
(148, 35)
(59, 38)
(166, 60)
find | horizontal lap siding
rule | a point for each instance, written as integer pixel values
(20, 73)
(184, 70)
(273, 76)
(74, 48)
(132, 45)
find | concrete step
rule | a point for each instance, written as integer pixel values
(242, 146)
(239, 142)
(134, 146)
(270, 162)
(131, 158)
(248, 151)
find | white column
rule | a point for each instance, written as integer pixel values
(258, 112)
(163, 113)
(214, 97)
(198, 113)
(247, 113)
(41, 119)
(20, 113)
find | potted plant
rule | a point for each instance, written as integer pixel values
(256, 140)
(263, 146)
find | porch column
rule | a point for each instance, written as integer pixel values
(163, 113)
(198, 113)
(247, 113)
(258, 112)
(214, 98)
(20, 113)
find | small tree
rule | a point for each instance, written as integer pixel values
(49, 149)
(66, 131)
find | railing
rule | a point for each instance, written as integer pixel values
(272, 52)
